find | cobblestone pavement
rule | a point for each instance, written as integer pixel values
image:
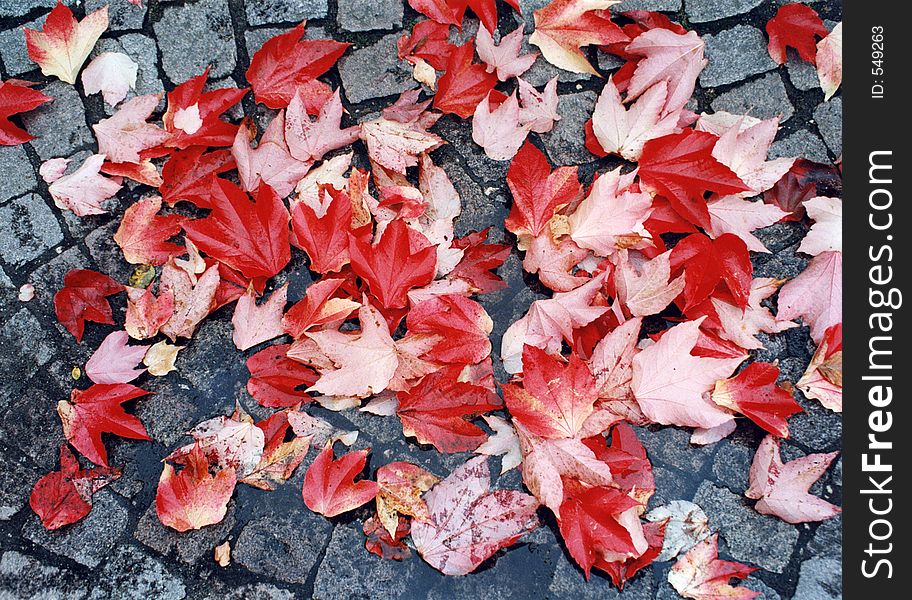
(281, 549)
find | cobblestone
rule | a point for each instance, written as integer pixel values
(264, 12)
(198, 35)
(18, 174)
(374, 72)
(60, 126)
(763, 98)
(358, 15)
(734, 55)
(701, 11)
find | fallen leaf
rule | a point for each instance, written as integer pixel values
(438, 409)
(160, 358)
(468, 523)
(794, 26)
(669, 382)
(563, 27)
(822, 380)
(782, 489)
(114, 361)
(815, 295)
(539, 109)
(675, 58)
(64, 497)
(186, 175)
(700, 574)
(222, 554)
(735, 215)
(15, 99)
(83, 190)
(649, 291)
(396, 145)
(192, 302)
(741, 325)
(270, 162)
(686, 526)
(826, 232)
(400, 486)
(275, 378)
(82, 299)
(286, 62)
(463, 84)
(111, 73)
(64, 43)
(330, 488)
(143, 234)
(89, 413)
(624, 131)
(192, 498)
(753, 393)
(462, 325)
(192, 117)
(829, 62)
(234, 443)
(249, 236)
(537, 191)
(392, 266)
(378, 540)
(504, 59)
(503, 443)
(255, 324)
(310, 140)
(499, 132)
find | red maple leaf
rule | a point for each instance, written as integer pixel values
(192, 117)
(193, 498)
(795, 26)
(320, 306)
(249, 236)
(186, 175)
(15, 99)
(537, 190)
(82, 299)
(753, 392)
(555, 398)
(478, 262)
(622, 571)
(589, 523)
(97, 410)
(451, 12)
(463, 84)
(329, 484)
(276, 381)
(379, 541)
(393, 265)
(631, 470)
(681, 167)
(143, 233)
(286, 62)
(65, 496)
(324, 237)
(462, 324)
(708, 263)
(437, 409)
(429, 41)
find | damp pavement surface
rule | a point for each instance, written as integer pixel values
(279, 548)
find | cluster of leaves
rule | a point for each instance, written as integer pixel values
(391, 324)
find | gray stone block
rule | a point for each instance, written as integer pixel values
(347, 566)
(672, 447)
(122, 16)
(13, 52)
(763, 98)
(367, 15)
(132, 574)
(800, 144)
(198, 35)
(656, 5)
(24, 576)
(375, 72)
(16, 479)
(30, 229)
(829, 121)
(19, 8)
(90, 540)
(702, 11)
(803, 75)
(263, 12)
(731, 465)
(18, 174)
(820, 579)
(60, 126)
(274, 546)
(566, 142)
(734, 55)
(751, 537)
